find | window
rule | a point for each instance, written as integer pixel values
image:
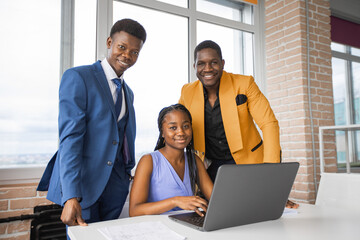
(161, 69)
(85, 32)
(180, 3)
(165, 63)
(233, 10)
(236, 46)
(42, 41)
(29, 80)
(346, 92)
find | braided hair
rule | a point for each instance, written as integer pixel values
(189, 148)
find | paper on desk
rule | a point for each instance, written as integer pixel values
(290, 211)
(143, 231)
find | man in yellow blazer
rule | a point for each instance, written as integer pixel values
(224, 107)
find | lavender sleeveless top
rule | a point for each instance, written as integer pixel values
(165, 183)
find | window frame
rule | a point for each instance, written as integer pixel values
(258, 29)
(104, 22)
(349, 98)
(32, 174)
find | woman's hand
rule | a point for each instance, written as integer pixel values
(191, 203)
(290, 204)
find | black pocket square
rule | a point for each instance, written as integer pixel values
(240, 99)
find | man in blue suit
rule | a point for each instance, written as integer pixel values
(90, 174)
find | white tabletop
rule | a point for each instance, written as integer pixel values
(310, 222)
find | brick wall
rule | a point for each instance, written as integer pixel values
(287, 85)
(16, 200)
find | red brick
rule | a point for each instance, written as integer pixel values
(4, 205)
(275, 36)
(270, 16)
(290, 7)
(269, 3)
(274, 22)
(275, 7)
(304, 187)
(327, 70)
(19, 226)
(277, 64)
(294, 59)
(325, 27)
(3, 227)
(323, 10)
(15, 213)
(22, 236)
(17, 192)
(28, 203)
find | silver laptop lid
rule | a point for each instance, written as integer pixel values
(245, 194)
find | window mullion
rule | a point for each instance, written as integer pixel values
(104, 22)
(192, 39)
(349, 106)
(67, 35)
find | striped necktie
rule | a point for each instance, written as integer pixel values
(118, 102)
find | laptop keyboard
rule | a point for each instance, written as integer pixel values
(195, 219)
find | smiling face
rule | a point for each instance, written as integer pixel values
(124, 50)
(176, 130)
(209, 67)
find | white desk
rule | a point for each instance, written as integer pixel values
(310, 223)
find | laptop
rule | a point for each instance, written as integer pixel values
(244, 194)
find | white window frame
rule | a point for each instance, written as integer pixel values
(20, 175)
(348, 58)
(257, 29)
(104, 22)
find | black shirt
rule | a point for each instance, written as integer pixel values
(216, 145)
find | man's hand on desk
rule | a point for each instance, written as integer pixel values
(290, 204)
(71, 214)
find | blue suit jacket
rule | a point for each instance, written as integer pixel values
(89, 137)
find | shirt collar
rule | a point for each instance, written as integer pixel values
(109, 71)
(206, 94)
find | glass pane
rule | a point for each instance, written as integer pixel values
(356, 104)
(355, 51)
(29, 81)
(233, 10)
(160, 72)
(356, 90)
(85, 32)
(180, 3)
(338, 47)
(339, 94)
(236, 46)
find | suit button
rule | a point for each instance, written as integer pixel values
(114, 142)
(109, 163)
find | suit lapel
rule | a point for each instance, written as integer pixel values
(130, 130)
(101, 78)
(197, 111)
(229, 113)
(128, 101)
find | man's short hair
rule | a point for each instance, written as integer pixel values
(208, 44)
(130, 26)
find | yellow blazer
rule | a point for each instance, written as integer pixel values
(241, 102)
